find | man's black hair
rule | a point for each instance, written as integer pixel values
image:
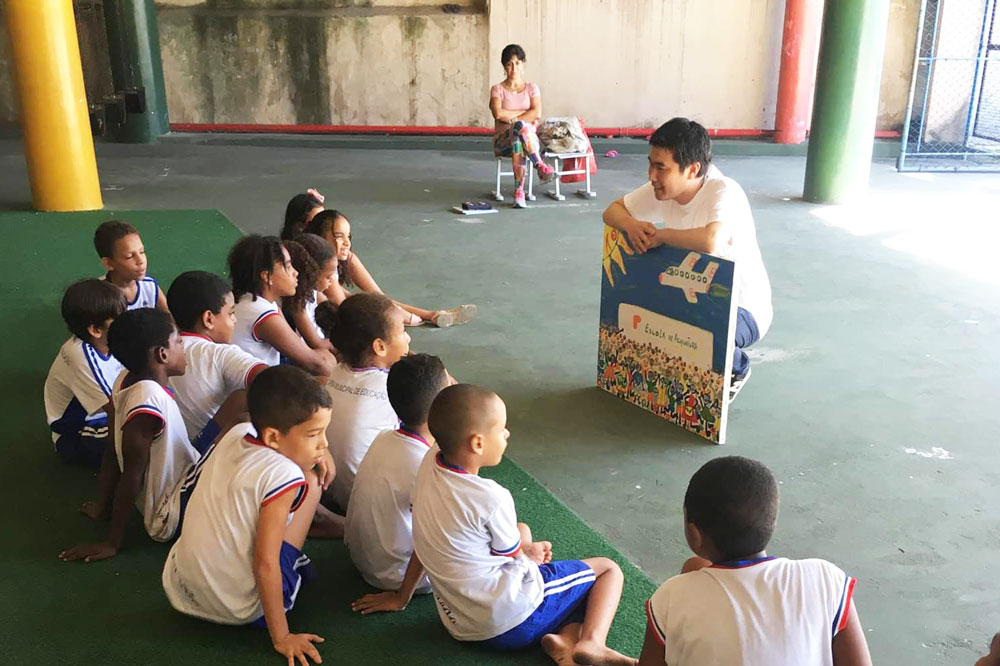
(108, 234)
(734, 501)
(194, 292)
(687, 140)
(91, 302)
(134, 333)
(282, 397)
(414, 381)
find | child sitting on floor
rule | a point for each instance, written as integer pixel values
(78, 388)
(239, 557)
(367, 330)
(492, 582)
(151, 443)
(212, 393)
(300, 210)
(735, 604)
(336, 229)
(379, 532)
(124, 258)
(262, 274)
(316, 264)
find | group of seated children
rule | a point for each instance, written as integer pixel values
(229, 451)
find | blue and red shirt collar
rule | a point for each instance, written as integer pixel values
(742, 564)
(444, 464)
(406, 432)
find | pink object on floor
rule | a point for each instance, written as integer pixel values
(611, 153)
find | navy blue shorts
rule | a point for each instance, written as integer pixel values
(567, 584)
(82, 448)
(296, 567)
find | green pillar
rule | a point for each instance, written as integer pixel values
(846, 103)
(134, 48)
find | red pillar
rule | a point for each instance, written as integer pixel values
(799, 50)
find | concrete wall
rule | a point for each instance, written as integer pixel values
(260, 63)
(616, 63)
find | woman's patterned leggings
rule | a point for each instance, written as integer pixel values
(518, 142)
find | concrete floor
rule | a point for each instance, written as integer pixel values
(872, 397)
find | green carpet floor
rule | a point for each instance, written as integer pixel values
(115, 612)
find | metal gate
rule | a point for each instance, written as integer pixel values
(953, 115)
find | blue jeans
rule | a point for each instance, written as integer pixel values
(747, 333)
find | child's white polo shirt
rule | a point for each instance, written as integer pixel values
(214, 370)
(770, 611)
(250, 314)
(78, 387)
(170, 455)
(465, 534)
(379, 533)
(361, 410)
(209, 571)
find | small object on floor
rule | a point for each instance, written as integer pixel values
(611, 153)
(737, 384)
(462, 211)
(476, 205)
(460, 315)
(519, 201)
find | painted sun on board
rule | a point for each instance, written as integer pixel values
(614, 245)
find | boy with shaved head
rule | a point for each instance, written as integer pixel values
(491, 581)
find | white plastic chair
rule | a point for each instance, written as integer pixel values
(529, 192)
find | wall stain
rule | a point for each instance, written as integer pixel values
(202, 32)
(306, 43)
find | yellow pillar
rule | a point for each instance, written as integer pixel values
(58, 145)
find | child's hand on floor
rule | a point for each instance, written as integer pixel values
(89, 552)
(539, 552)
(381, 601)
(299, 646)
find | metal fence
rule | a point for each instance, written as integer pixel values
(953, 115)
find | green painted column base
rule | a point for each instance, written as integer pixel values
(846, 103)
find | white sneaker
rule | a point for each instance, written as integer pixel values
(736, 384)
(460, 315)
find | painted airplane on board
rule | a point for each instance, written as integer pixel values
(687, 280)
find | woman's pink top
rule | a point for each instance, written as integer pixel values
(514, 101)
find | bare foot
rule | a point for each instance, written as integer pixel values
(93, 510)
(595, 654)
(326, 525)
(559, 647)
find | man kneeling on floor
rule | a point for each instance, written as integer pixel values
(688, 203)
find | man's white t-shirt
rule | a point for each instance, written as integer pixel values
(77, 388)
(170, 455)
(773, 611)
(379, 533)
(720, 199)
(465, 534)
(361, 410)
(209, 571)
(250, 314)
(214, 370)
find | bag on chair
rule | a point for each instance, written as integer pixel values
(579, 163)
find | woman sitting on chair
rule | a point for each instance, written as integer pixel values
(516, 106)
